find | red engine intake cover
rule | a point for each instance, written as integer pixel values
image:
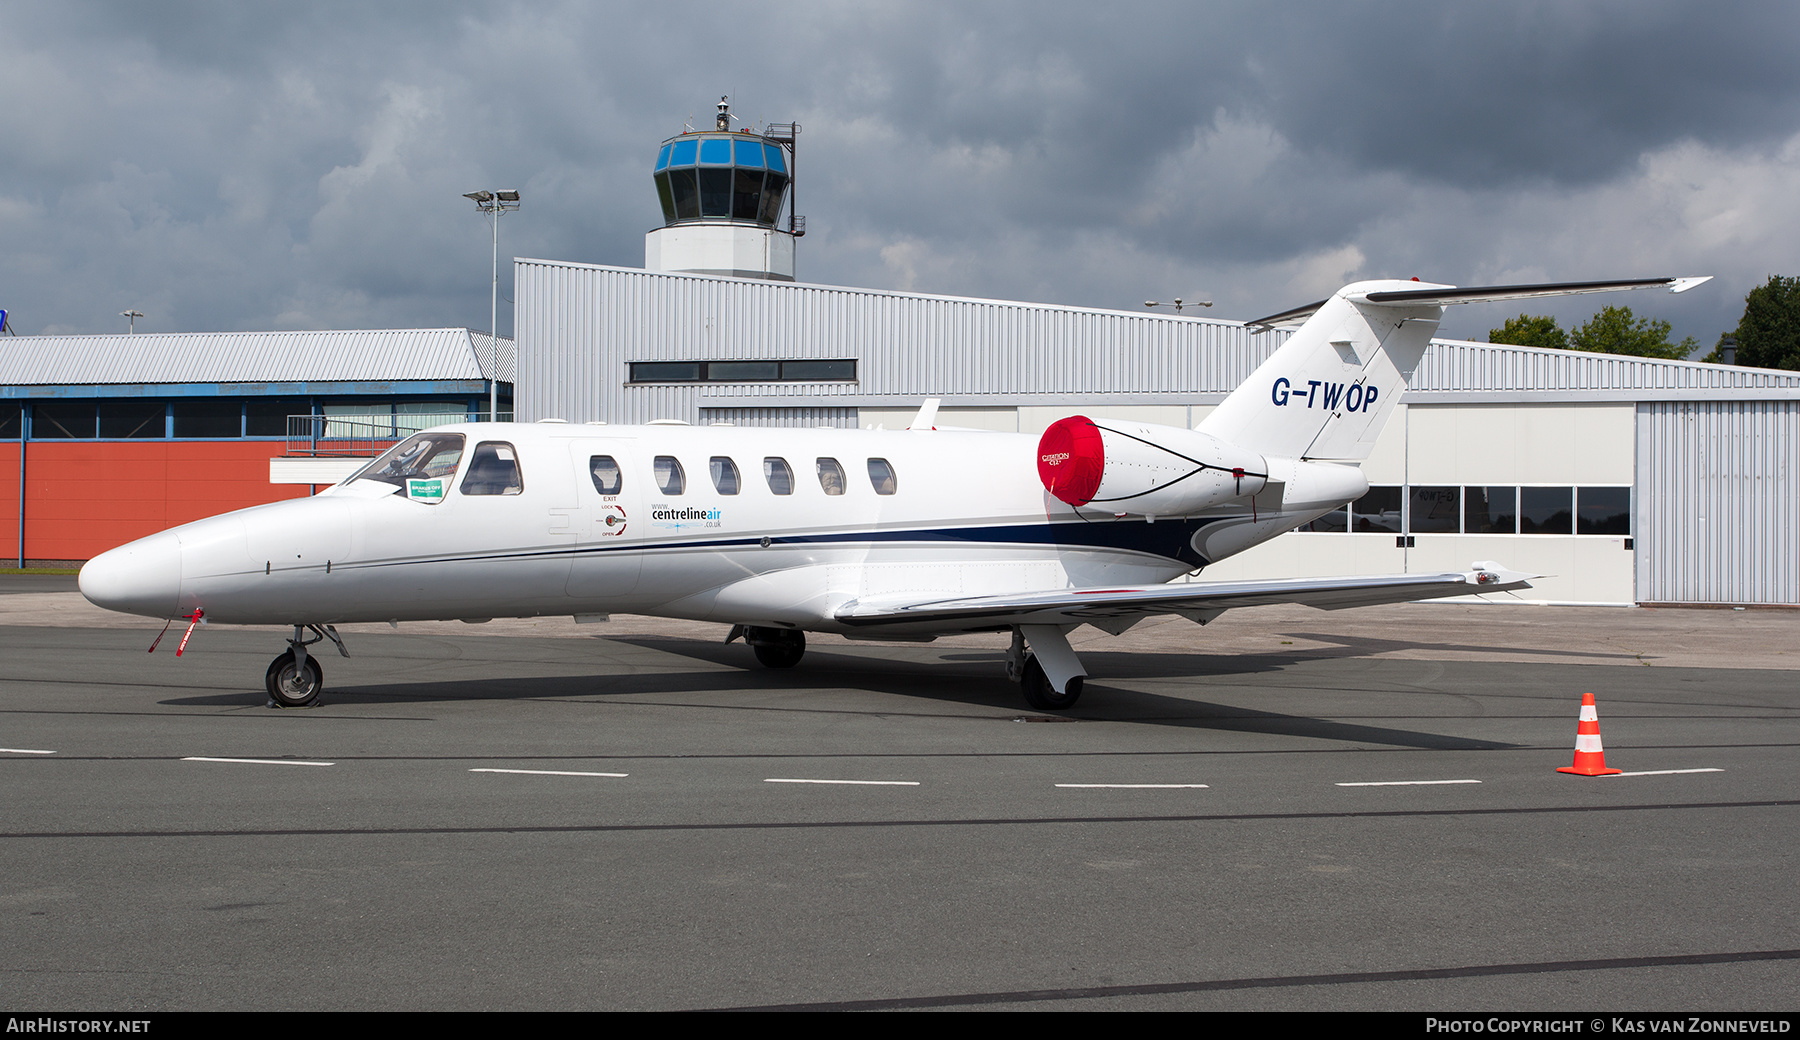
(1071, 459)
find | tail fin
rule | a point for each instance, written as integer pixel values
(1327, 393)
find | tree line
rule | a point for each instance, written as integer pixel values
(1768, 335)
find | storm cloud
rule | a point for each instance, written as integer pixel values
(233, 166)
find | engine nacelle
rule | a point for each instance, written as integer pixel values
(1143, 468)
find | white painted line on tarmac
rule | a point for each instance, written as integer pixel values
(1405, 783)
(23, 751)
(1667, 772)
(1138, 787)
(544, 772)
(260, 761)
(860, 783)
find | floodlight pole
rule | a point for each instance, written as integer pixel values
(131, 318)
(494, 203)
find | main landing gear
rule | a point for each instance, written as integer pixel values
(294, 679)
(1050, 675)
(1052, 683)
(774, 647)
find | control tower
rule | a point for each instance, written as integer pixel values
(722, 192)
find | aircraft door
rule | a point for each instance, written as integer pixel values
(608, 523)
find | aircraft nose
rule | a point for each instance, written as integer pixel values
(141, 577)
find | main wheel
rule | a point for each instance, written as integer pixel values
(776, 647)
(292, 687)
(1043, 696)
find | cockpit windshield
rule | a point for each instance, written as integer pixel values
(419, 466)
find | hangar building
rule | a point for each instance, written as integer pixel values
(104, 439)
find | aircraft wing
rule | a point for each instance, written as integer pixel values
(1199, 600)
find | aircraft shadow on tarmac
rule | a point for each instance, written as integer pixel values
(1366, 646)
(938, 681)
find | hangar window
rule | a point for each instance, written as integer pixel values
(12, 421)
(1434, 510)
(1335, 522)
(1377, 512)
(1603, 510)
(268, 416)
(420, 466)
(669, 475)
(200, 417)
(831, 476)
(133, 419)
(804, 370)
(724, 475)
(494, 470)
(1491, 510)
(1498, 509)
(779, 475)
(1546, 510)
(61, 420)
(881, 476)
(607, 478)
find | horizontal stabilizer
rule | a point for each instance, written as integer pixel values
(1442, 295)
(1077, 606)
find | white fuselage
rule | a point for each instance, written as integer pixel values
(966, 516)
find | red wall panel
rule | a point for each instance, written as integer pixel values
(85, 497)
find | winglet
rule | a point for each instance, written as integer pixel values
(927, 417)
(1492, 577)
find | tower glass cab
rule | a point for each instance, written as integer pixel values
(722, 193)
(740, 177)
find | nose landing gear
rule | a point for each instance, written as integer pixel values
(294, 679)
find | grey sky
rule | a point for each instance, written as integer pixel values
(237, 166)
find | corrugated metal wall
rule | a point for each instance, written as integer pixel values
(1718, 502)
(579, 326)
(251, 357)
(1462, 365)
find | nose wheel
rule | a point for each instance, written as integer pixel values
(293, 683)
(295, 679)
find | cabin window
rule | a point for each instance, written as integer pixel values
(493, 471)
(420, 466)
(724, 475)
(831, 476)
(607, 478)
(669, 475)
(779, 475)
(881, 475)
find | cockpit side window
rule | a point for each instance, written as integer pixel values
(724, 475)
(779, 475)
(881, 475)
(669, 475)
(605, 471)
(419, 467)
(493, 470)
(831, 476)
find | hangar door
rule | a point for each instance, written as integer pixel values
(1718, 503)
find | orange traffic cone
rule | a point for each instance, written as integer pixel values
(1590, 760)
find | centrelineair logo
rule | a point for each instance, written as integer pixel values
(675, 519)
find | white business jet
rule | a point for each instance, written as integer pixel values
(894, 535)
